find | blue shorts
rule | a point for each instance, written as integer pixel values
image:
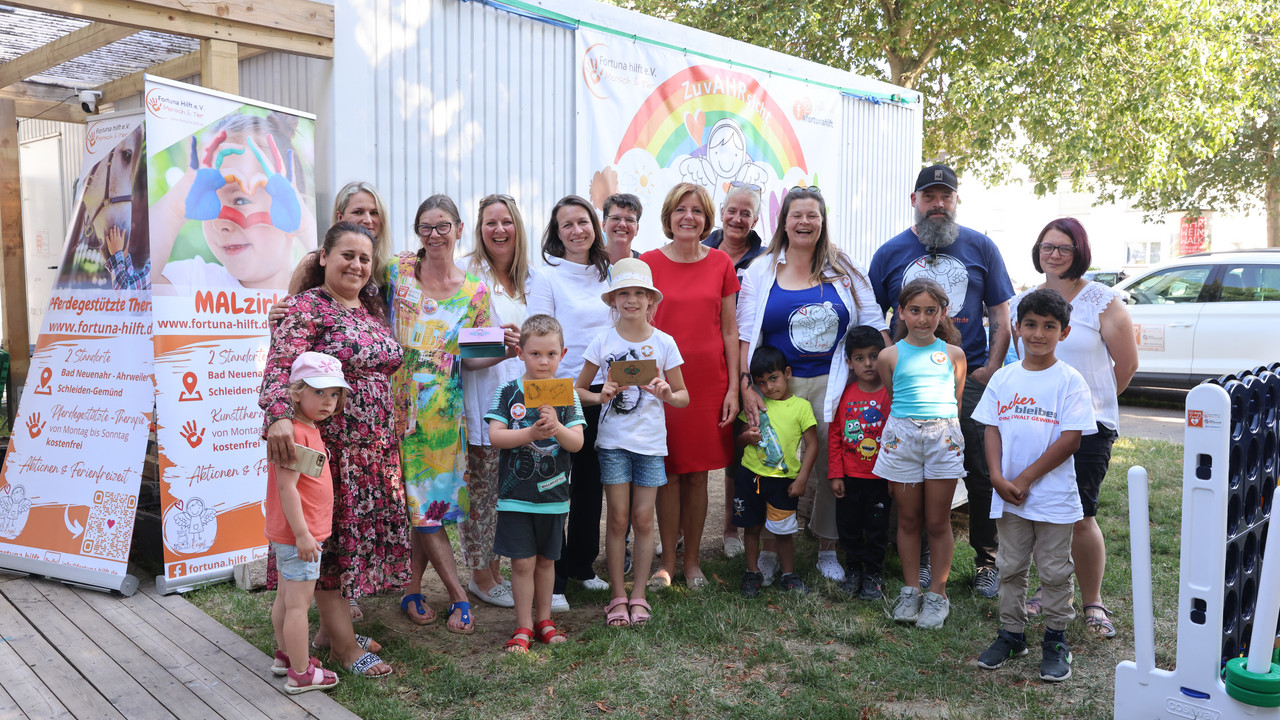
(762, 500)
(290, 568)
(618, 467)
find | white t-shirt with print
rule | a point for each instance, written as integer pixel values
(1031, 410)
(634, 419)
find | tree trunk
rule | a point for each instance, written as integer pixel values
(1273, 212)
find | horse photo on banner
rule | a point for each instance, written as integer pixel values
(69, 487)
(682, 118)
(232, 211)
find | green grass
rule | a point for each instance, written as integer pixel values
(713, 654)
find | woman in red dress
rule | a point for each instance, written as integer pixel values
(698, 285)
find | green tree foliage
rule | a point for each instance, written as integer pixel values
(1169, 102)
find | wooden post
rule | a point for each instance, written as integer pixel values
(220, 66)
(13, 271)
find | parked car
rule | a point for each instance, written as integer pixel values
(1106, 277)
(1204, 315)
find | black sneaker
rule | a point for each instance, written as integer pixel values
(926, 578)
(792, 582)
(872, 587)
(1055, 663)
(852, 582)
(751, 582)
(1006, 646)
(987, 582)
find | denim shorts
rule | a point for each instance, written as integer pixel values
(291, 568)
(618, 467)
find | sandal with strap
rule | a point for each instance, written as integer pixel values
(519, 644)
(546, 633)
(1035, 605)
(619, 617)
(282, 669)
(364, 641)
(367, 662)
(313, 678)
(420, 606)
(1100, 624)
(356, 613)
(465, 607)
(640, 610)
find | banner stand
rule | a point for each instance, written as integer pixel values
(186, 583)
(126, 584)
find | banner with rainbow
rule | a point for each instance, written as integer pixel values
(673, 118)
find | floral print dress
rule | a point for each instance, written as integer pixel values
(369, 549)
(430, 418)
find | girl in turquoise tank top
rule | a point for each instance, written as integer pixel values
(922, 448)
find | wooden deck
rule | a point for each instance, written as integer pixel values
(72, 653)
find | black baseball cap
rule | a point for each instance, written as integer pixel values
(937, 175)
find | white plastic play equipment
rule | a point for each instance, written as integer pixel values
(1228, 599)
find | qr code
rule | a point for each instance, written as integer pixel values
(110, 526)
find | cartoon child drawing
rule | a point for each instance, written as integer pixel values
(722, 161)
(14, 506)
(191, 522)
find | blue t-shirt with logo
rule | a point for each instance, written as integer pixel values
(971, 271)
(806, 325)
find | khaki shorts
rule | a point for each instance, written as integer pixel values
(915, 450)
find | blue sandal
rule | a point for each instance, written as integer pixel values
(421, 618)
(465, 607)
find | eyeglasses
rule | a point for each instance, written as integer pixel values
(749, 186)
(622, 220)
(1061, 250)
(426, 230)
(805, 188)
(490, 199)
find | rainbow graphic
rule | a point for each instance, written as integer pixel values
(675, 117)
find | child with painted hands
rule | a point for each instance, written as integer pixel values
(299, 518)
(632, 439)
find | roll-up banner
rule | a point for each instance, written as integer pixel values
(232, 204)
(682, 118)
(69, 487)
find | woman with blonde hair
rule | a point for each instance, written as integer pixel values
(357, 202)
(501, 260)
(699, 285)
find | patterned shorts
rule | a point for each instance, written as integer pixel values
(915, 450)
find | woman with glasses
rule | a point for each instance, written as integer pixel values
(1102, 348)
(431, 300)
(501, 261)
(568, 288)
(737, 238)
(621, 222)
(698, 286)
(802, 297)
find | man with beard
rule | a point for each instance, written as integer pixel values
(969, 267)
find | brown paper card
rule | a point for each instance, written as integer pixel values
(633, 372)
(557, 392)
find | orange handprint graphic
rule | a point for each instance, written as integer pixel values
(34, 426)
(193, 435)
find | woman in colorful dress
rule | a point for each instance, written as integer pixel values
(698, 285)
(500, 259)
(368, 551)
(431, 300)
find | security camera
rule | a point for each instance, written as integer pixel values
(89, 101)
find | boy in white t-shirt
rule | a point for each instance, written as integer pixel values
(1035, 412)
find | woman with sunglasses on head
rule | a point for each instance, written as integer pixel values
(737, 238)
(1102, 348)
(699, 286)
(501, 260)
(568, 288)
(802, 297)
(431, 301)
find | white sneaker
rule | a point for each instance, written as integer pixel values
(935, 612)
(559, 603)
(733, 547)
(768, 566)
(595, 583)
(906, 608)
(829, 565)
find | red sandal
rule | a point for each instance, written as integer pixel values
(517, 643)
(546, 632)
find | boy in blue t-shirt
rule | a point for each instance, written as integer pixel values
(772, 476)
(533, 475)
